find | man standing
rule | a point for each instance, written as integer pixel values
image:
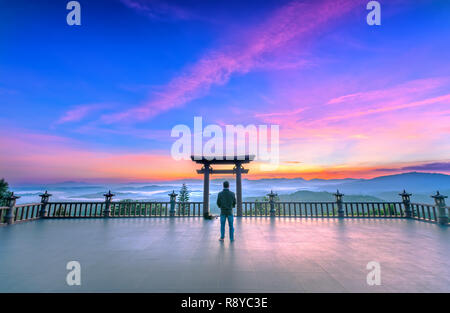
(226, 201)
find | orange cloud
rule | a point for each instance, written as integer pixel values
(34, 157)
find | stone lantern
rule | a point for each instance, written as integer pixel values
(272, 196)
(338, 197)
(173, 200)
(44, 201)
(108, 198)
(440, 203)
(406, 198)
(9, 218)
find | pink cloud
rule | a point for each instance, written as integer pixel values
(411, 94)
(407, 122)
(278, 114)
(295, 20)
(445, 99)
(410, 89)
(78, 113)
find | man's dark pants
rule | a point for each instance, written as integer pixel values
(223, 219)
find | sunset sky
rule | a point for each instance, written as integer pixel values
(97, 102)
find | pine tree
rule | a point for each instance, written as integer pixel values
(183, 197)
(184, 194)
(4, 192)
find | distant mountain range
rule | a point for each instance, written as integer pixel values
(421, 185)
(413, 182)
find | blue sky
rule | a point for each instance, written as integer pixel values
(82, 89)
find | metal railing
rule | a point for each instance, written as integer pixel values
(438, 212)
(26, 212)
(426, 212)
(189, 209)
(75, 209)
(323, 209)
(140, 209)
(155, 209)
(122, 209)
(374, 209)
(3, 210)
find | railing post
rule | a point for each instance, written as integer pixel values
(44, 201)
(9, 218)
(406, 198)
(440, 202)
(272, 196)
(339, 196)
(173, 200)
(108, 198)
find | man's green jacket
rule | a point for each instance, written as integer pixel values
(226, 201)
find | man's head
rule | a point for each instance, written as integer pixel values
(226, 184)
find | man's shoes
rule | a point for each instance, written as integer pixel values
(231, 240)
(220, 239)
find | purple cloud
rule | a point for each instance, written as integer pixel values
(436, 166)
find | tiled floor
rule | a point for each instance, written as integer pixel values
(184, 255)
